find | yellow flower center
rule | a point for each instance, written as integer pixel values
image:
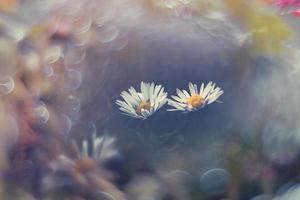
(195, 101)
(143, 105)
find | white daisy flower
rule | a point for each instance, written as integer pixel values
(142, 104)
(103, 147)
(195, 100)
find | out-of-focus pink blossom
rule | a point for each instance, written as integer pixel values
(285, 3)
(296, 12)
(293, 6)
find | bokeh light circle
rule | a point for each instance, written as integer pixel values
(107, 33)
(214, 181)
(7, 85)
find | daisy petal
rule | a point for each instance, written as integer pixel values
(178, 99)
(192, 89)
(186, 94)
(180, 94)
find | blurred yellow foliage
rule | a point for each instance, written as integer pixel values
(269, 31)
